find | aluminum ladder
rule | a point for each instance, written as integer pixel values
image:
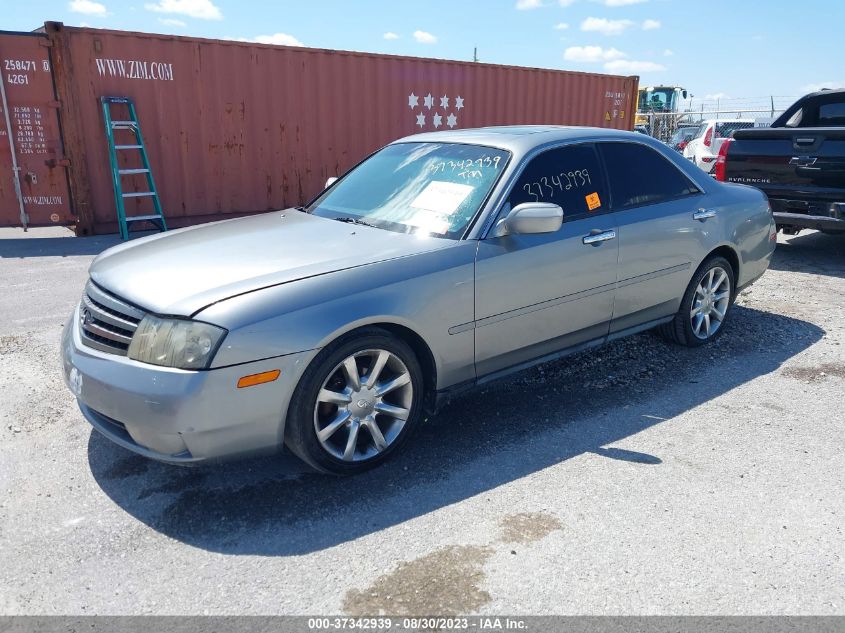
(118, 173)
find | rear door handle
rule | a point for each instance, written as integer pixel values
(703, 214)
(595, 239)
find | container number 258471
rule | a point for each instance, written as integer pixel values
(18, 67)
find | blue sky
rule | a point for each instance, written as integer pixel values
(715, 48)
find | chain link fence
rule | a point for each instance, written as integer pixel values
(663, 125)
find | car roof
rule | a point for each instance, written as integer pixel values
(517, 138)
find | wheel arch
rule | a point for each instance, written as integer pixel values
(422, 350)
(728, 252)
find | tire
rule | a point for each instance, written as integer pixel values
(336, 428)
(691, 329)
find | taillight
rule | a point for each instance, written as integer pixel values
(721, 160)
(682, 144)
(708, 138)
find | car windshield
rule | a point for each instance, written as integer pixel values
(430, 188)
(682, 134)
(701, 130)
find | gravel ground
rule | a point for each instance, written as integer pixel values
(640, 478)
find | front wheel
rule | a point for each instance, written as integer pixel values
(356, 404)
(705, 305)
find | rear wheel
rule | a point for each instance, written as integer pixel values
(356, 404)
(705, 305)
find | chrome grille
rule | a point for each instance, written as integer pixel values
(107, 323)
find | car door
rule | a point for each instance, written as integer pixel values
(660, 241)
(537, 294)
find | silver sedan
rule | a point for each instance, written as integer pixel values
(442, 261)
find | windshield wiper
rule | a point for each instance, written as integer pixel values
(356, 221)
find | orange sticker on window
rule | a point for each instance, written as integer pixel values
(593, 201)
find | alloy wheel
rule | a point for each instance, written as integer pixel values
(710, 303)
(363, 405)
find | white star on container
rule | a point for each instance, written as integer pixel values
(451, 120)
(437, 119)
(459, 103)
(444, 101)
(421, 120)
(413, 101)
(429, 101)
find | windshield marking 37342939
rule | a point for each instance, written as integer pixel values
(431, 188)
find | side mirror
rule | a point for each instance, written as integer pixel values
(330, 182)
(530, 217)
(684, 94)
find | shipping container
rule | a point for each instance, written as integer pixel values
(233, 128)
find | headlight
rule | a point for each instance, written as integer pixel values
(175, 342)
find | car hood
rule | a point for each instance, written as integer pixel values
(181, 272)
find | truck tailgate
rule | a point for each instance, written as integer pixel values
(800, 163)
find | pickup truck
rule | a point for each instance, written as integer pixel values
(799, 163)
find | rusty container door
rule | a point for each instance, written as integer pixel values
(29, 126)
(235, 128)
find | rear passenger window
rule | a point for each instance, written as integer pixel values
(725, 130)
(568, 176)
(832, 114)
(639, 175)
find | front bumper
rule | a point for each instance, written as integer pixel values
(175, 415)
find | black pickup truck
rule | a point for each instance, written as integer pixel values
(799, 163)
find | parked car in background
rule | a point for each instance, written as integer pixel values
(703, 148)
(682, 136)
(442, 261)
(799, 163)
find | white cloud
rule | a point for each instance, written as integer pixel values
(425, 38)
(565, 3)
(281, 39)
(172, 22)
(390, 35)
(650, 25)
(88, 7)
(668, 52)
(619, 3)
(591, 54)
(605, 26)
(822, 85)
(715, 96)
(630, 66)
(525, 5)
(561, 26)
(201, 9)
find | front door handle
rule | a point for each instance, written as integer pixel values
(703, 214)
(597, 238)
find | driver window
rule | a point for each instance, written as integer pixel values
(568, 176)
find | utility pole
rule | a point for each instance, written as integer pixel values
(475, 54)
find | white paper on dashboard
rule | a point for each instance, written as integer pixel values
(442, 197)
(428, 221)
